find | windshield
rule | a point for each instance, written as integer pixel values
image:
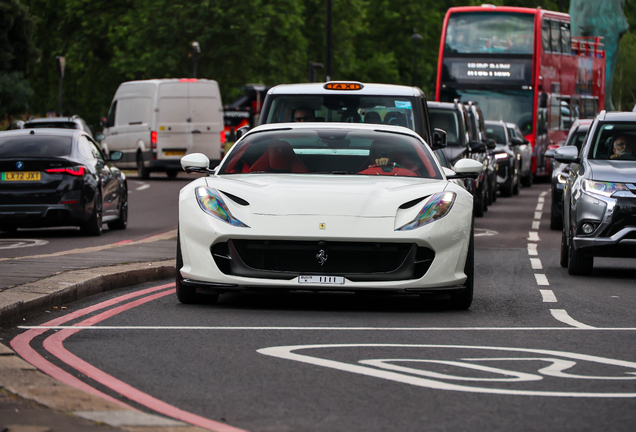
(391, 110)
(510, 106)
(447, 121)
(491, 32)
(615, 141)
(577, 138)
(496, 133)
(331, 151)
(35, 146)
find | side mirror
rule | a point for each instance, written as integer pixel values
(115, 155)
(467, 168)
(491, 144)
(516, 141)
(567, 154)
(241, 131)
(439, 139)
(550, 153)
(477, 147)
(196, 162)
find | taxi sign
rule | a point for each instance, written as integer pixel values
(343, 86)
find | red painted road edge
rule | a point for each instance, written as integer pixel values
(54, 345)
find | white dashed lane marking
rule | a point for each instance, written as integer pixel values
(562, 315)
(548, 296)
(532, 249)
(533, 236)
(542, 280)
(536, 264)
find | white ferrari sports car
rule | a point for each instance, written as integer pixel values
(326, 207)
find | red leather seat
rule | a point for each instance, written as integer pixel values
(279, 157)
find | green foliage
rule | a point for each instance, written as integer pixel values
(14, 94)
(16, 34)
(108, 42)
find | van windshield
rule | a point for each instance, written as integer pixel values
(390, 110)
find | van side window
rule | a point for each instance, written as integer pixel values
(110, 122)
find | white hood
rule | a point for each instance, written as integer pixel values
(355, 195)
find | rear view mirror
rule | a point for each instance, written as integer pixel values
(491, 144)
(550, 153)
(477, 146)
(567, 154)
(241, 131)
(516, 141)
(196, 162)
(439, 139)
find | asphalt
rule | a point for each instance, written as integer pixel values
(31, 401)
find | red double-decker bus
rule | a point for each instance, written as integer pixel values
(522, 65)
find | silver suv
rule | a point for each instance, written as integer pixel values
(72, 122)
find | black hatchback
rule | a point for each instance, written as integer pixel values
(56, 177)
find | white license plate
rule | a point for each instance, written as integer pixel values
(328, 280)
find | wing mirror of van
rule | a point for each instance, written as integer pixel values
(491, 144)
(466, 168)
(196, 162)
(439, 139)
(115, 155)
(241, 131)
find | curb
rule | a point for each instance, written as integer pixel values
(28, 299)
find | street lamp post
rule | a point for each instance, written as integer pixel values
(415, 37)
(61, 63)
(197, 51)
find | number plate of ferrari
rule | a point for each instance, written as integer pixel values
(21, 176)
(325, 280)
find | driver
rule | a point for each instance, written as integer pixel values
(623, 148)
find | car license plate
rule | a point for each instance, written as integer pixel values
(328, 280)
(21, 176)
(174, 152)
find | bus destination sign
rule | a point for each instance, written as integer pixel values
(493, 72)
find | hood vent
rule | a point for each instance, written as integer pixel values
(413, 203)
(239, 201)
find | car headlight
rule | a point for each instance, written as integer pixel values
(211, 202)
(603, 188)
(501, 156)
(562, 178)
(437, 206)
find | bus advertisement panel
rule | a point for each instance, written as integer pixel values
(521, 65)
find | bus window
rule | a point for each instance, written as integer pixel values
(555, 37)
(566, 43)
(566, 113)
(545, 35)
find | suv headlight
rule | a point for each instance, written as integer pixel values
(437, 206)
(562, 178)
(603, 188)
(211, 202)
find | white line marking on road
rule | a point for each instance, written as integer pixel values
(536, 264)
(541, 199)
(537, 215)
(548, 296)
(544, 193)
(20, 243)
(482, 232)
(539, 207)
(142, 187)
(532, 249)
(214, 328)
(536, 225)
(128, 418)
(533, 236)
(562, 315)
(553, 371)
(541, 279)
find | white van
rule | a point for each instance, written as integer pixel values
(156, 122)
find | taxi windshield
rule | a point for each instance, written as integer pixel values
(390, 110)
(331, 151)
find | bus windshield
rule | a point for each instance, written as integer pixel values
(511, 106)
(490, 33)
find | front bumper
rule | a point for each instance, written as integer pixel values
(615, 222)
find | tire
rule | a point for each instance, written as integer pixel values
(579, 263)
(556, 220)
(186, 294)
(464, 298)
(517, 186)
(564, 251)
(142, 172)
(508, 188)
(94, 226)
(526, 181)
(493, 191)
(121, 222)
(172, 174)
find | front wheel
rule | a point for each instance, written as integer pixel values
(122, 220)
(564, 251)
(579, 263)
(527, 180)
(464, 298)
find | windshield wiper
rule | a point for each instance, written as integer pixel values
(336, 172)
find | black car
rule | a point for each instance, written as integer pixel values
(523, 149)
(462, 142)
(72, 122)
(599, 199)
(508, 178)
(487, 157)
(57, 177)
(561, 171)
